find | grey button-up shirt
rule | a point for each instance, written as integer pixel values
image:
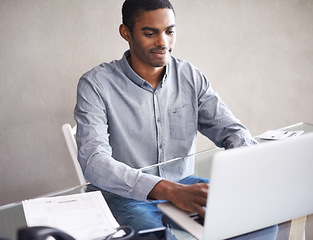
(124, 124)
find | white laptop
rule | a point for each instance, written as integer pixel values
(254, 187)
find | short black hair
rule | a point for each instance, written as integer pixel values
(132, 8)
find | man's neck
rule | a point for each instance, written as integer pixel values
(152, 75)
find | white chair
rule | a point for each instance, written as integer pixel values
(69, 134)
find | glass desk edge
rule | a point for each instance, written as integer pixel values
(77, 188)
(210, 151)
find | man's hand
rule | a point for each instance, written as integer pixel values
(187, 197)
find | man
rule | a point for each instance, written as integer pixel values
(145, 109)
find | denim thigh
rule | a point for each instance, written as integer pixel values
(146, 215)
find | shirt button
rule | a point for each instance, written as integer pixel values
(159, 120)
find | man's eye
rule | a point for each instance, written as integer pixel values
(149, 34)
(170, 32)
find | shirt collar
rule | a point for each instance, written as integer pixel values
(129, 72)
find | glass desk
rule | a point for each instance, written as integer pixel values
(199, 164)
(12, 215)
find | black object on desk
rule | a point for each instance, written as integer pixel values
(42, 233)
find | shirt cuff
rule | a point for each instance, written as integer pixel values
(144, 186)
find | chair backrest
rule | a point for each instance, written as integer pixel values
(69, 134)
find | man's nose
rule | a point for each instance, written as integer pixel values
(161, 41)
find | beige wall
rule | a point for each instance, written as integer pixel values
(257, 54)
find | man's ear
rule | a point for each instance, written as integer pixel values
(124, 32)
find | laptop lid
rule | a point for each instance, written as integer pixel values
(255, 187)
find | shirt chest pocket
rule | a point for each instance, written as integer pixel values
(182, 122)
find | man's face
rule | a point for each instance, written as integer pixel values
(153, 38)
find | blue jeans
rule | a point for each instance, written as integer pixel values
(146, 215)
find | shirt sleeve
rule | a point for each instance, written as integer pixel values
(217, 122)
(95, 152)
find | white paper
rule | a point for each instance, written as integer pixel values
(84, 216)
(278, 134)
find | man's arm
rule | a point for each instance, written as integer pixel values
(100, 168)
(187, 197)
(217, 122)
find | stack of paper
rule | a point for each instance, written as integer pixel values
(83, 216)
(279, 134)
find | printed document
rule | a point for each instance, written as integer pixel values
(279, 134)
(83, 216)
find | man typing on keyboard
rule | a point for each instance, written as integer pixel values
(144, 109)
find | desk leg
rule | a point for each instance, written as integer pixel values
(297, 228)
(284, 230)
(309, 227)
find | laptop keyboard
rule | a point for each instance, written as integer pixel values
(196, 217)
